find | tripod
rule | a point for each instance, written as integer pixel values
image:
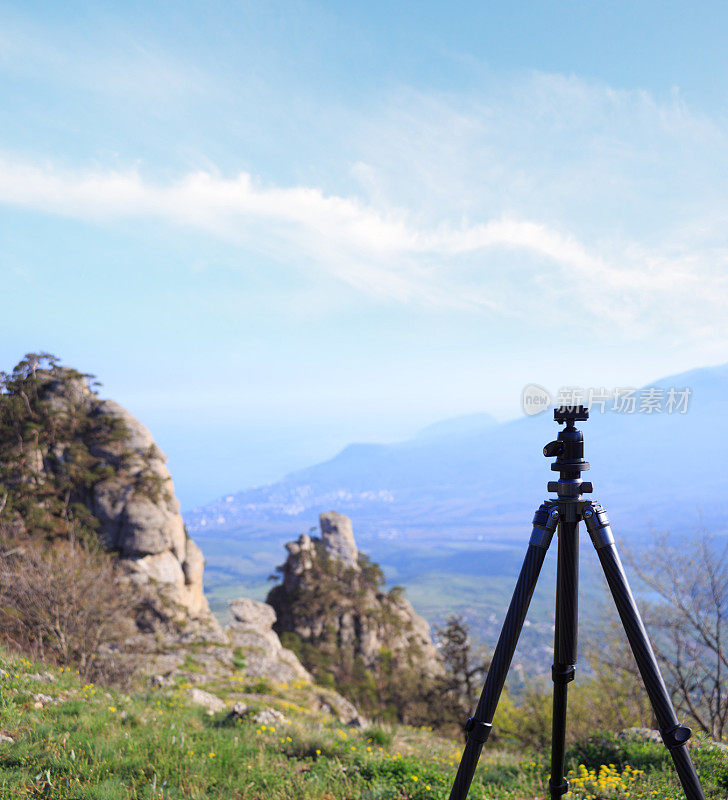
(566, 512)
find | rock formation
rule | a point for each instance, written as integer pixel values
(252, 637)
(365, 619)
(252, 632)
(76, 467)
(331, 607)
(138, 512)
(73, 465)
(337, 537)
(146, 527)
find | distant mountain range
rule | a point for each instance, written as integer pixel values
(448, 512)
(472, 477)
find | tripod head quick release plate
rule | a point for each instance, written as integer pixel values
(568, 449)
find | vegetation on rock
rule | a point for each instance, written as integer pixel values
(352, 634)
(50, 448)
(62, 597)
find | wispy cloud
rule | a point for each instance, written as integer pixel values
(386, 252)
(545, 190)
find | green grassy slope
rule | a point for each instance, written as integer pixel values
(83, 741)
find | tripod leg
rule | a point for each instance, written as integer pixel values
(674, 735)
(480, 724)
(565, 642)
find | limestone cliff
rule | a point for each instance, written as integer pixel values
(145, 525)
(127, 488)
(76, 467)
(349, 632)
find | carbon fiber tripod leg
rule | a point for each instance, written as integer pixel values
(674, 735)
(565, 642)
(480, 724)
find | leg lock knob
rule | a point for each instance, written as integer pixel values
(677, 736)
(558, 789)
(563, 673)
(477, 730)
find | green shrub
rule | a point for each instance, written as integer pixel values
(261, 686)
(238, 658)
(711, 761)
(378, 735)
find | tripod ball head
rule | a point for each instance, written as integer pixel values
(568, 450)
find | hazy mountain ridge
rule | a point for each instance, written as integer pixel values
(647, 469)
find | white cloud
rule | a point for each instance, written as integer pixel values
(505, 263)
(544, 192)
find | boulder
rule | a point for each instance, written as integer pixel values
(270, 716)
(237, 712)
(42, 677)
(40, 700)
(143, 526)
(345, 711)
(641, 735)
(251, 631)
(161, 567)
(211, 702)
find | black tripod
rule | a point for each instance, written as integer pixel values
(566, 512)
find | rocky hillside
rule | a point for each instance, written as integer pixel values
(91, 535)
(333, 611)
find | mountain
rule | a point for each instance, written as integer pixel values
(472, 476)
(467, 425)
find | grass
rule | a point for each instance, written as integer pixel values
(93, 743)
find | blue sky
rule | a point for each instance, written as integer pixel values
(274, 228)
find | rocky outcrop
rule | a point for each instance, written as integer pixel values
(138, 513)
(251, 631)
(252, 637)
(207, 700)
(75, 467)
(337, 537)
(140, 517)
(92, 469)
(331, 602)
